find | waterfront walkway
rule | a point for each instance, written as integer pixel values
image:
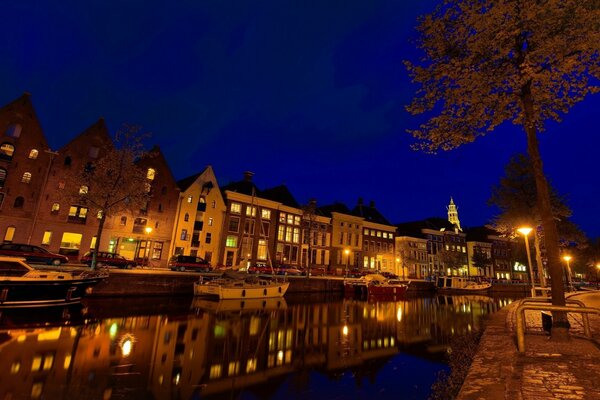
(547, 369)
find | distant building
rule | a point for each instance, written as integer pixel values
(346, 237)
(377, 238)
(453, 214)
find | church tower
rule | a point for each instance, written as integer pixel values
(453, 214)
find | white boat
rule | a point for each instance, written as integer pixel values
(240, 286)
(457, 284)
(24, 286)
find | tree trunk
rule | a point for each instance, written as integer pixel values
(98, 236)
(538, 258)
(560, 324)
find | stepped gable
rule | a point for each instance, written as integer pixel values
(335, 207)
(369, 213)
(280, 194)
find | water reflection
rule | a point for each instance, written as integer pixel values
(225, 348)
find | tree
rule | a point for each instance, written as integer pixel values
(114, 183)
(480, 260)
(520, 61)
(516, 198)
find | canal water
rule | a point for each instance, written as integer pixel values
(187, 348)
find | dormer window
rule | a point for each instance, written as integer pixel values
(33, 154)
(151, 174)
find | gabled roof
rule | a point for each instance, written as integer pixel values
(154, 158)
(22, 108)
(96, 134)
(280, 194)
(335, 207)
(185, 183)
(370, 213)
(244, 187)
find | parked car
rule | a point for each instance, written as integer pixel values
(189, 263)
(316, 270)
(105, 258)
(389, 275)
(260, 268)
(32, 254)
(285, 269)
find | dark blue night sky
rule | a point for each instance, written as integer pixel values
(306, 93)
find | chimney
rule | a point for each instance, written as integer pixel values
(372, 204)
(248, 176)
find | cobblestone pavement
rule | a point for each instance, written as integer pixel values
(547, 369)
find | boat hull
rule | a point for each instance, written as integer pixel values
(224, 292)
(43, 293)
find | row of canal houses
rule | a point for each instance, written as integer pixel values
(237, 225)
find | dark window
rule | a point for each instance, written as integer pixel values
(14, 130)
(198, 225)
(208, 237)
(19, 202)
(123, 220)
(68, 161)
(186, 217)
(160, 209)
(2, 177)
(139, 224)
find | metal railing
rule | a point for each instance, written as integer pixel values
(526, 305)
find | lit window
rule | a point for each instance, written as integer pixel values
(215, 371)
(231, 241)
(46, 238)
(15, 367)
(9, 234)
(151, 174)
(61, 184)
(33, 154)
(236, 208)
(83, 189)
(297, 220)
(210, 221)
(266, 214)
(6, 151)
(26, 177)
(250, 211)
(190, 198)
(183, 235)
(99, 214)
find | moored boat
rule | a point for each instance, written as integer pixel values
(240, 286)
(457, 284)
(24, 286)
(239, 305)
(375, 285)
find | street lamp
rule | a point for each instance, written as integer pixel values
(147, 251)
(597, 281)
(525, 231)
(347, 252)
(568, 258)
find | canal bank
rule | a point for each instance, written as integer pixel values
(163, 282)
(546, 370)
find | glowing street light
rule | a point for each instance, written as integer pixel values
(347, 253)
(568, 258)
(148, 231)
(525, 231)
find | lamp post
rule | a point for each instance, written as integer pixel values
(398, 264)
(525, 232)
(597, 281)
(147, 250)
(347, 253)
(567, 258)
